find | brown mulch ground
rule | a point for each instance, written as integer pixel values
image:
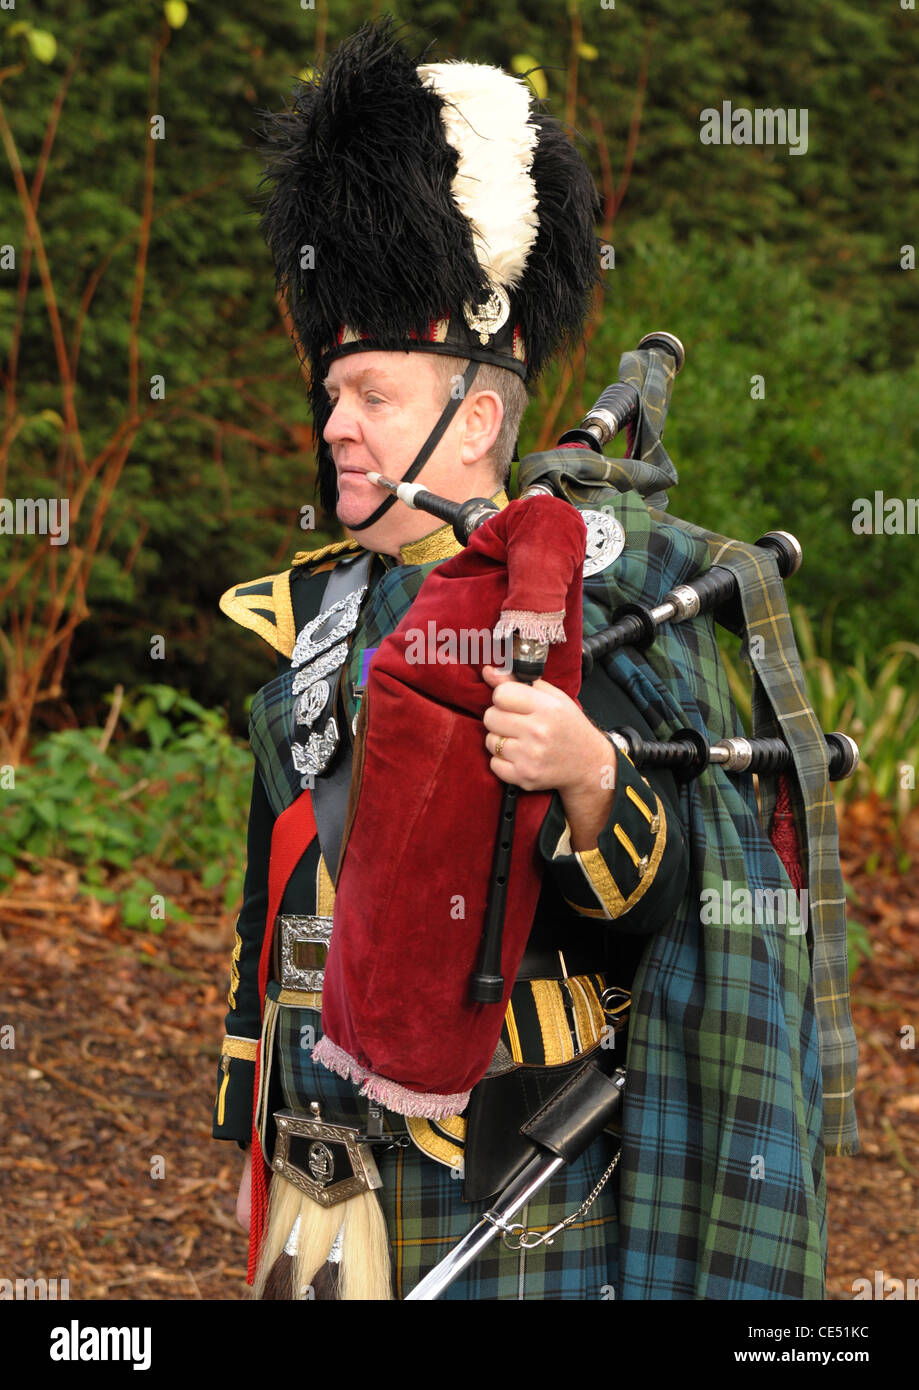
(110, 1080)
(874, 1197)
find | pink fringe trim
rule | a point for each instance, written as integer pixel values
(542, 627)
(427, 1105)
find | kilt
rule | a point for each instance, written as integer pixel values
(422, 1201)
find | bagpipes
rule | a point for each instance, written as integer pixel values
(392, 1058)
(636, 625)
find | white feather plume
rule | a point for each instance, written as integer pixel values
(485, 120)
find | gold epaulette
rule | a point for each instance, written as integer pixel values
(264, 605)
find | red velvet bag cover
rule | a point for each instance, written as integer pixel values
(413, 882)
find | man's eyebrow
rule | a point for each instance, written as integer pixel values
(376, 373)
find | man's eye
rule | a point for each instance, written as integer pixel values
(374, 400)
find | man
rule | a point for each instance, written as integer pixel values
(433, 236)
(383, 407)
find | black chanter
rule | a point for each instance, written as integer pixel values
(487, 984)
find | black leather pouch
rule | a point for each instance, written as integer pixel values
(569, 1123)
(500, 1105)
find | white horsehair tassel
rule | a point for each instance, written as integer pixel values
(485, 118)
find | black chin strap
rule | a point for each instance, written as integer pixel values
(426, 450)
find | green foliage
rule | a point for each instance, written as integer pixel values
(874, 699)
(173, 794)
(797, 459)
(212, 490)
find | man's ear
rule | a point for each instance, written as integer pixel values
(484, 413)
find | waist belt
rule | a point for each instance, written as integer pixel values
(302, 948)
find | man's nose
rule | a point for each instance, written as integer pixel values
(342, 423)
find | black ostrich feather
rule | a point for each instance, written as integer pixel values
(358, 174)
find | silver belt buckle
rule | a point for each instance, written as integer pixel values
(304, 950)
(327, 1162)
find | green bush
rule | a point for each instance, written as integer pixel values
(171, 794)
(821, 436)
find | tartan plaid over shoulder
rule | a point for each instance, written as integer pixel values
(741, 1055)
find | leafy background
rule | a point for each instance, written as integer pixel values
(765, 264)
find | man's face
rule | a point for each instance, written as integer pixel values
(384, 406)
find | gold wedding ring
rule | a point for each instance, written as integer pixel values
(500, 744)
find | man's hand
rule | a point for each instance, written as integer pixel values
(244, 1197)
(550, 744)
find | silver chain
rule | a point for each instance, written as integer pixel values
(518, 1236)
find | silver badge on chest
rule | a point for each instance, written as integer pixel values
(605, 541)
(312, 702)
(329, 661)
(320, 651)
(321, 632)
(313, 757)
